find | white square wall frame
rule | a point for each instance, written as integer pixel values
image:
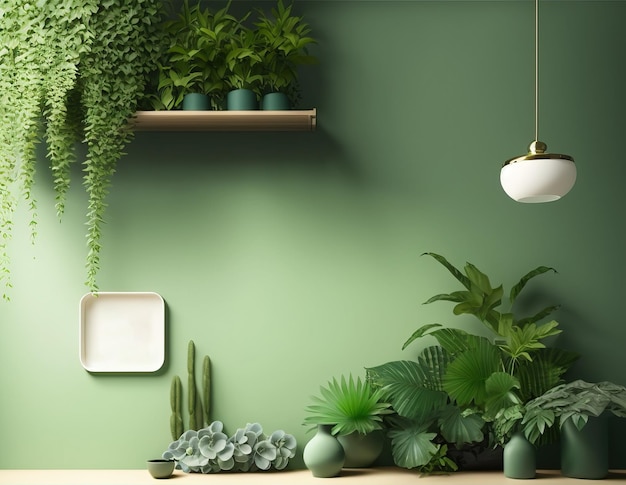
(122, 332)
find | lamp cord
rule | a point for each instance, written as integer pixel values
(536, 70)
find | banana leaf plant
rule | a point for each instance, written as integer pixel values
(469, 389)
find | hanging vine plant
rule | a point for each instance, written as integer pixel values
(111, 81)
(76, 68)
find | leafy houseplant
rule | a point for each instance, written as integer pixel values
(284, 39)
(578, 407)
(85, 63)
(355, 411)
(576, 401)
(456, 392)
(243, 63)
(194, 60)
(349, 406)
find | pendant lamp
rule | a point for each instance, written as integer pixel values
(538, 176)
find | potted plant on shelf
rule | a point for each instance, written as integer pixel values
(191, 73)
(355, 413)
(284, 39)
(580, 409)
(448, 399)
(243, 69)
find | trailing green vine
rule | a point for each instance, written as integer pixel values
(76, 68)
(111, 81)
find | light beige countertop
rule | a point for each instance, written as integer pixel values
(370, 476)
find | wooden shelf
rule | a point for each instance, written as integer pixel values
(178, 120)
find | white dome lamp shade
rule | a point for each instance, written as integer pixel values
(538, 176)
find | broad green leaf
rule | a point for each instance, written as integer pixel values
(420, 332)
(412, 446)
(516, 290)
(459, 429)
(464, 280)
(466, 377)
(478, 278)
(500, 388)
(410, 386)
(538, 316)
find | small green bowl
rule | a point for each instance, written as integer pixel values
(160, 468)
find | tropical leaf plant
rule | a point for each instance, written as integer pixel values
(576, 401)
(470, 388)
(349, 405)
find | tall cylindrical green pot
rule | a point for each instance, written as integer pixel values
(323, 454)
(585, 452)
(519, 458)
(195, 102)
(362, 450)
(241, 100)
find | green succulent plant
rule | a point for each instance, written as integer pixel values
(459, 391)
(349, 405)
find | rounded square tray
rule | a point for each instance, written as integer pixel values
(122, 332)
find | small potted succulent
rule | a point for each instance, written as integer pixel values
(355, 411)
(283, 39)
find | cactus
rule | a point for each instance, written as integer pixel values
(191, 383)
(199, 412)
(206, 388)
(176, 419)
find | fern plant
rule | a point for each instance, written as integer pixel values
(460, 390)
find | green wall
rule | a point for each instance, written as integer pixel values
(292, 258)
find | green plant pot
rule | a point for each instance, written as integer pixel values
(519, 458)
(241, 100)
(196, 102)
(323, 454)
(160, 468)
(361, 450)
(275, 102)
(585, 452)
